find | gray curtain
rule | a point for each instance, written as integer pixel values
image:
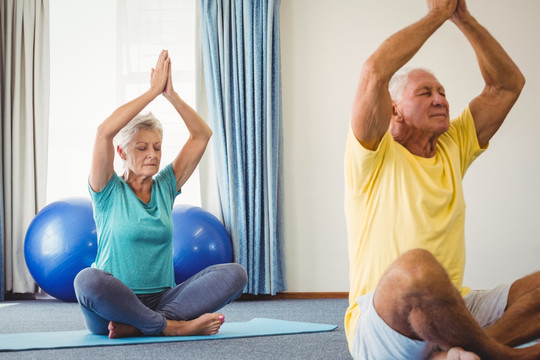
(24, 108)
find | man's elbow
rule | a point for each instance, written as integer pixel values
(521, 81)
(375, 72)
(518, 83)
(512, 87)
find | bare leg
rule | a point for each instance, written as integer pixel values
(416, 298)
(206, 324)
(520, 322)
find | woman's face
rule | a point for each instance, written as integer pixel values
(143, 154)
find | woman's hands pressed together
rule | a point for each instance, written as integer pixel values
(160, 76)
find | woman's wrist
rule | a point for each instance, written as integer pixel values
(171, 95)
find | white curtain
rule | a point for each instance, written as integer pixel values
(207, 169)
(24, 108)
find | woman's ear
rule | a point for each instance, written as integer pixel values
(121, 152)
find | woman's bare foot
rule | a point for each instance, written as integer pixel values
(206, 324)
(119, 330)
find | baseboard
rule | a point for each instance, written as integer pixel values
(286, 295)
(11, 296)
(296, 295)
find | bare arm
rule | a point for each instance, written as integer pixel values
(503, 79)
(102, 167)
(372, 106)
(199, 134)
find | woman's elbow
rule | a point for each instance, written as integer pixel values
(208, 133)
(102, 133)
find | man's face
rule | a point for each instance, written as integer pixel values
(423, 105)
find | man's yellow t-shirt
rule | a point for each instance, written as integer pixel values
(396, 201)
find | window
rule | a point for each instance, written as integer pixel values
(102, 53)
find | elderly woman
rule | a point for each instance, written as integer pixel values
(130, 289)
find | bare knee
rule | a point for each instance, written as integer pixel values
(416, 281)
(528, 285)
(417, 268)
(416, 255)
(414, 278)
(528, 301)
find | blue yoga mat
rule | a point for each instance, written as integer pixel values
(83, 338)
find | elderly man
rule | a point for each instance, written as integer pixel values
(405, 210)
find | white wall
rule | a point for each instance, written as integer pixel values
(323, 45)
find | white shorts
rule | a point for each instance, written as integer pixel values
(374, 339)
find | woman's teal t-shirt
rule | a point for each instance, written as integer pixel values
(135, 238)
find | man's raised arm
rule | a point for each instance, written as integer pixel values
(372, 105)
(503, 79)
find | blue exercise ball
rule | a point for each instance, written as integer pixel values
(61, 241)
(199, 240)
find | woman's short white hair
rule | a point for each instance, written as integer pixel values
(400, 79)
(141, 121)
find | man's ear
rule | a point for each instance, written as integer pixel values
(396, 114)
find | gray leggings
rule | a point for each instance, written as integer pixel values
(104, 298)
